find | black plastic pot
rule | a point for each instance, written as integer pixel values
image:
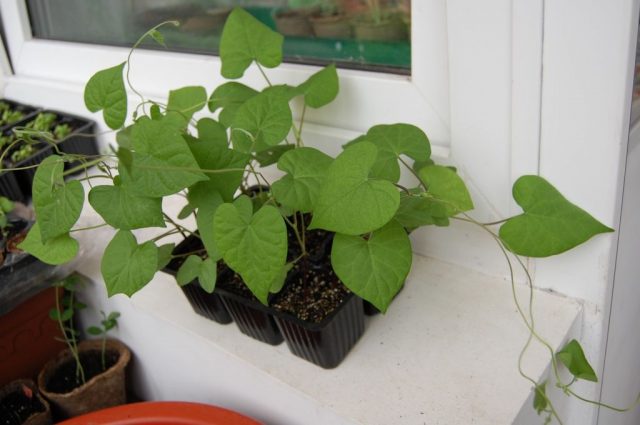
(28, 111)
(253, 318)
(10, 188)
(82, 141)
(203, 303)
(327, 343)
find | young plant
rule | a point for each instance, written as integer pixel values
(108, 323)
(163, 151)
(6, 206)
(67, 305)
(61, 131)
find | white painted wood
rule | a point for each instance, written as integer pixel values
(445, 352)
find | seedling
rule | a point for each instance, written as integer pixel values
(108, 323)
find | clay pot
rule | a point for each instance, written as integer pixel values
(40, 415)
(104, 390)
(392, 29)
(335, 26)
(210, 21)
(295, 22)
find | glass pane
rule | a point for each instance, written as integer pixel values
(363, 34)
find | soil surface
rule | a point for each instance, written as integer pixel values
(64, 379)
(17, 232)
(17, 407)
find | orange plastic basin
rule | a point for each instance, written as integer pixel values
(162, 413)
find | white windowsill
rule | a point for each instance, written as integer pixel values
(446, 352)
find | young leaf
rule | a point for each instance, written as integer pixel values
(419, 164)
(164, 255)
(207, 203)
(350, 202)
(189, 270)
(94, 330)
(126, 266)
(245, 39)
(162, 164)
(321, 88)
(208, 274)
(105, 91)
(125, 211)
(550, 223)
(374, 269)
(58, 250)
(418, 211)
(183, 103)
(306, 170)
(540, 402)
(281, 278)
(572, 356)
(158, 37)
(123, 137)
(392, 141)
(272, 155)
(229, 96)
(57, 204)
(254, 245)
(446, 186)
(261, 122)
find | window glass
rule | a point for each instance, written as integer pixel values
(363, 34)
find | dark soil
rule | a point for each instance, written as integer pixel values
(17, 407)
(16, 232)
(64, 379)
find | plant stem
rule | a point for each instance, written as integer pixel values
(104, 349)
(176, 225)
(80, 229)
(264, 75)
(412, 171)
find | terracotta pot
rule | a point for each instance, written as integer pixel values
(294, 23)
(336, 26)
(387, 30)
(210, 21)
(40, 417)
(163, 412)
(103, 390)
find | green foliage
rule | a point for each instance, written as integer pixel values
(572, 356)
(374, 267)
(195, 267)
(350, 201)
(6, 206)
(321, 88)
(550, 223)
(126, 266)
(229, 97)
(254, 245)
(164, 255)
(183, 103)
(445, 187)
(124, 210)
(105, 92)
(57, 250)
(540, 402)
(244, 40)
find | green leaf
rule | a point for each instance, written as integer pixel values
(253, 245)
(540, 403)
(126, 266)
(158, 37)
(212, 153)
(125, 157)
(58, 250)
(418, 211)
(189, 270)
(444, 185)
(306, 171)
(572, 356)
(6, 205)
(105, 91)
(229, 96)
(126, 211)
(208, 275)
(163, 163)
(261, 122)
(94, 330)
(186, 211)
(550, 223)
(183, 103)
(321, 88)
(350, 202)
(245, 39)
(123, 137)
(57, 204)
(207, 202)
(164, 255)
(281, 278)
(419, 165)
(374, 268)
(393, 140)
(272, 155)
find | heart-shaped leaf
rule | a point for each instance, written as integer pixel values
(162, 163)
(105, 91)
(572, 356)
(253, 245)
(164, 255)
(446, 187)
(550, 223)
(321, 88)
(351, 202)
(58, 250)
(374, 268)
(417, 211)
(57, 204)
(229, 96)
(306, 170)
(183, 103)
(272, 155)
(261, 122)
(125, 211)
(392, 140)
(207, 203)
(195, 267)
(126, 266)
(245, 39)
